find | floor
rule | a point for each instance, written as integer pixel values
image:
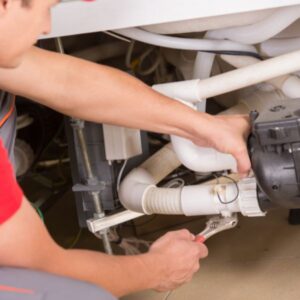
(260, 259)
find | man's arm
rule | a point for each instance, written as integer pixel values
(171, 261)
(25, 242)
(102, 94)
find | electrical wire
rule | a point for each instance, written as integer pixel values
(76, 239)
(237, 189)
(219, 52)
(175, 183)
(137, 63)
(37, 209)
(117, 36)
(120, 174)
(40, 214)
(128, 56)
(152, 68)
(236, 53)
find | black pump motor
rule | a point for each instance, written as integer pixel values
(274, 148)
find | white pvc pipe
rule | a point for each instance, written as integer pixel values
(140, 180)
(291, 87)
(181, 43)
(244, 61)
(202, 69)
(203, 199)
(204, 61)
(186, 90)
(263, 30)
(131, 190)
(201, 159)
(196, 90)
(139, 193)
(210, 23)
(288, 84)
(275, 47)
(203, 65)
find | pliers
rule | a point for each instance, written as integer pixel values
(215, 225)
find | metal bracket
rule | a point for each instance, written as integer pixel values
(100, 224)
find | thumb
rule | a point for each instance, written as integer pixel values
(243, 162)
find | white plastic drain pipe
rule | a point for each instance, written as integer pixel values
(181, 43)
(196, 90)
(250, 34)
(260, 31)
(201, 159)
(288, 84)
(275, 47)
(138, 192)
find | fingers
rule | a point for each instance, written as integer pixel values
(177, 256)
(243, 162)
(202, 251)
(182, 234)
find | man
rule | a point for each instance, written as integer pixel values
(100, 94)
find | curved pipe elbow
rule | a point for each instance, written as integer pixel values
(201, 159)
(133, 189)
(138, 193)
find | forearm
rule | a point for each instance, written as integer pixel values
(37, 250)
(120, 275)
(98, 93)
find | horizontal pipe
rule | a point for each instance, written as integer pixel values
(262, 30)
(243, 61)
(181, 43)
(275, 47)
(139, 193)
(196, 90)
(288, 84)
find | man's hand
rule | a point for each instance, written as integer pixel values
(176, 255)
(228, 134)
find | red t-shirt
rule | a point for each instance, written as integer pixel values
(10, 193)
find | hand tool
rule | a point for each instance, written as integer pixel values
(215, 225)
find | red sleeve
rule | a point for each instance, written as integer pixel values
(10, 193)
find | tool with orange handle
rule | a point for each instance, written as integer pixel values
(215, 225)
